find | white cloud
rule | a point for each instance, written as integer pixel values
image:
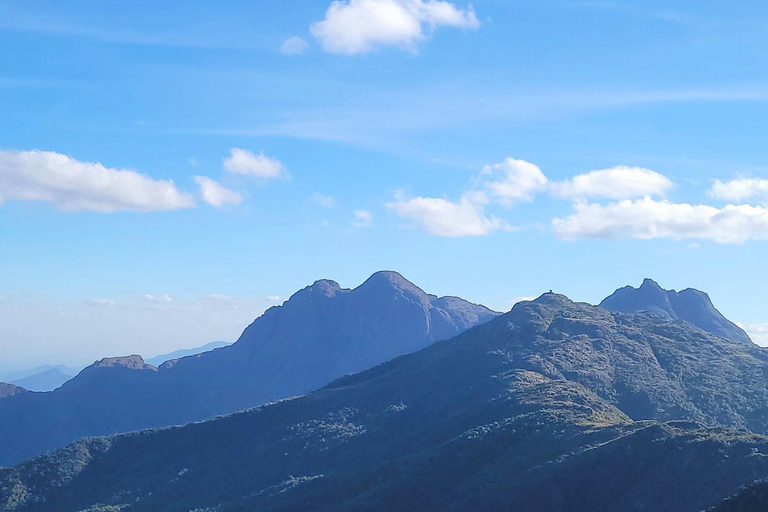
(83, 186)
(359, 26)
(323, 200)
(294, 46)
(157, 299)
(648, 218)
(740, 190)
(442, 217)
(513, 181)
(214, 194)
(363, 219)
(102, 302)
(620, 182)
(758, 333)
(242, 161)
(273, 298)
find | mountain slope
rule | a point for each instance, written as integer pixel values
(543, 408)
(690, 305)
(319, 334)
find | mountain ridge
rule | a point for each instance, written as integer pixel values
(690, 305)
(539, 407)
(319, 334)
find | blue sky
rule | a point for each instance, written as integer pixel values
(438, 139)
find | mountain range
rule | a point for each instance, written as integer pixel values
(554, 406)
(321, 333)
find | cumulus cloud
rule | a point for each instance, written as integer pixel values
(362, 219)
(242, 161)
(442, 217)
(648, 218)
(513, 181)
(323, 200)
(73, 185)
(294, 46)
(741, 189)
(216, 195)
(620, 182)
(359, 26)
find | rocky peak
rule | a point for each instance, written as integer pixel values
(690, 305)
(132, 362)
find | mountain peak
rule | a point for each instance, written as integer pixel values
(386, 280)
(649, 283)
(552, 298)
(690, 305)
(132, 362)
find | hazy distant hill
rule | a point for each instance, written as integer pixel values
(47, 380)
(321, 333)
(158, 360)
(690, 305)
(554, 406)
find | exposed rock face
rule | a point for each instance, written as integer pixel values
(321, 333)
(556, 406)
(7, 390)
(690, 305)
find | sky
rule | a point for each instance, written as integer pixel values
(169, 170)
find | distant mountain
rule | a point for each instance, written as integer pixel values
(16, 375)
(321, 333)
(47, 380)
(555, 406)
(690, 305)
(158, 360)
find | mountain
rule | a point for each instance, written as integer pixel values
(321, 333)
(690, 305)
(555, 406)
(47, 380)
(178, 354)
(17, 375)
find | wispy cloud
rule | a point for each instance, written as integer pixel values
(294, 46)
(362, 219)
(323, 200)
